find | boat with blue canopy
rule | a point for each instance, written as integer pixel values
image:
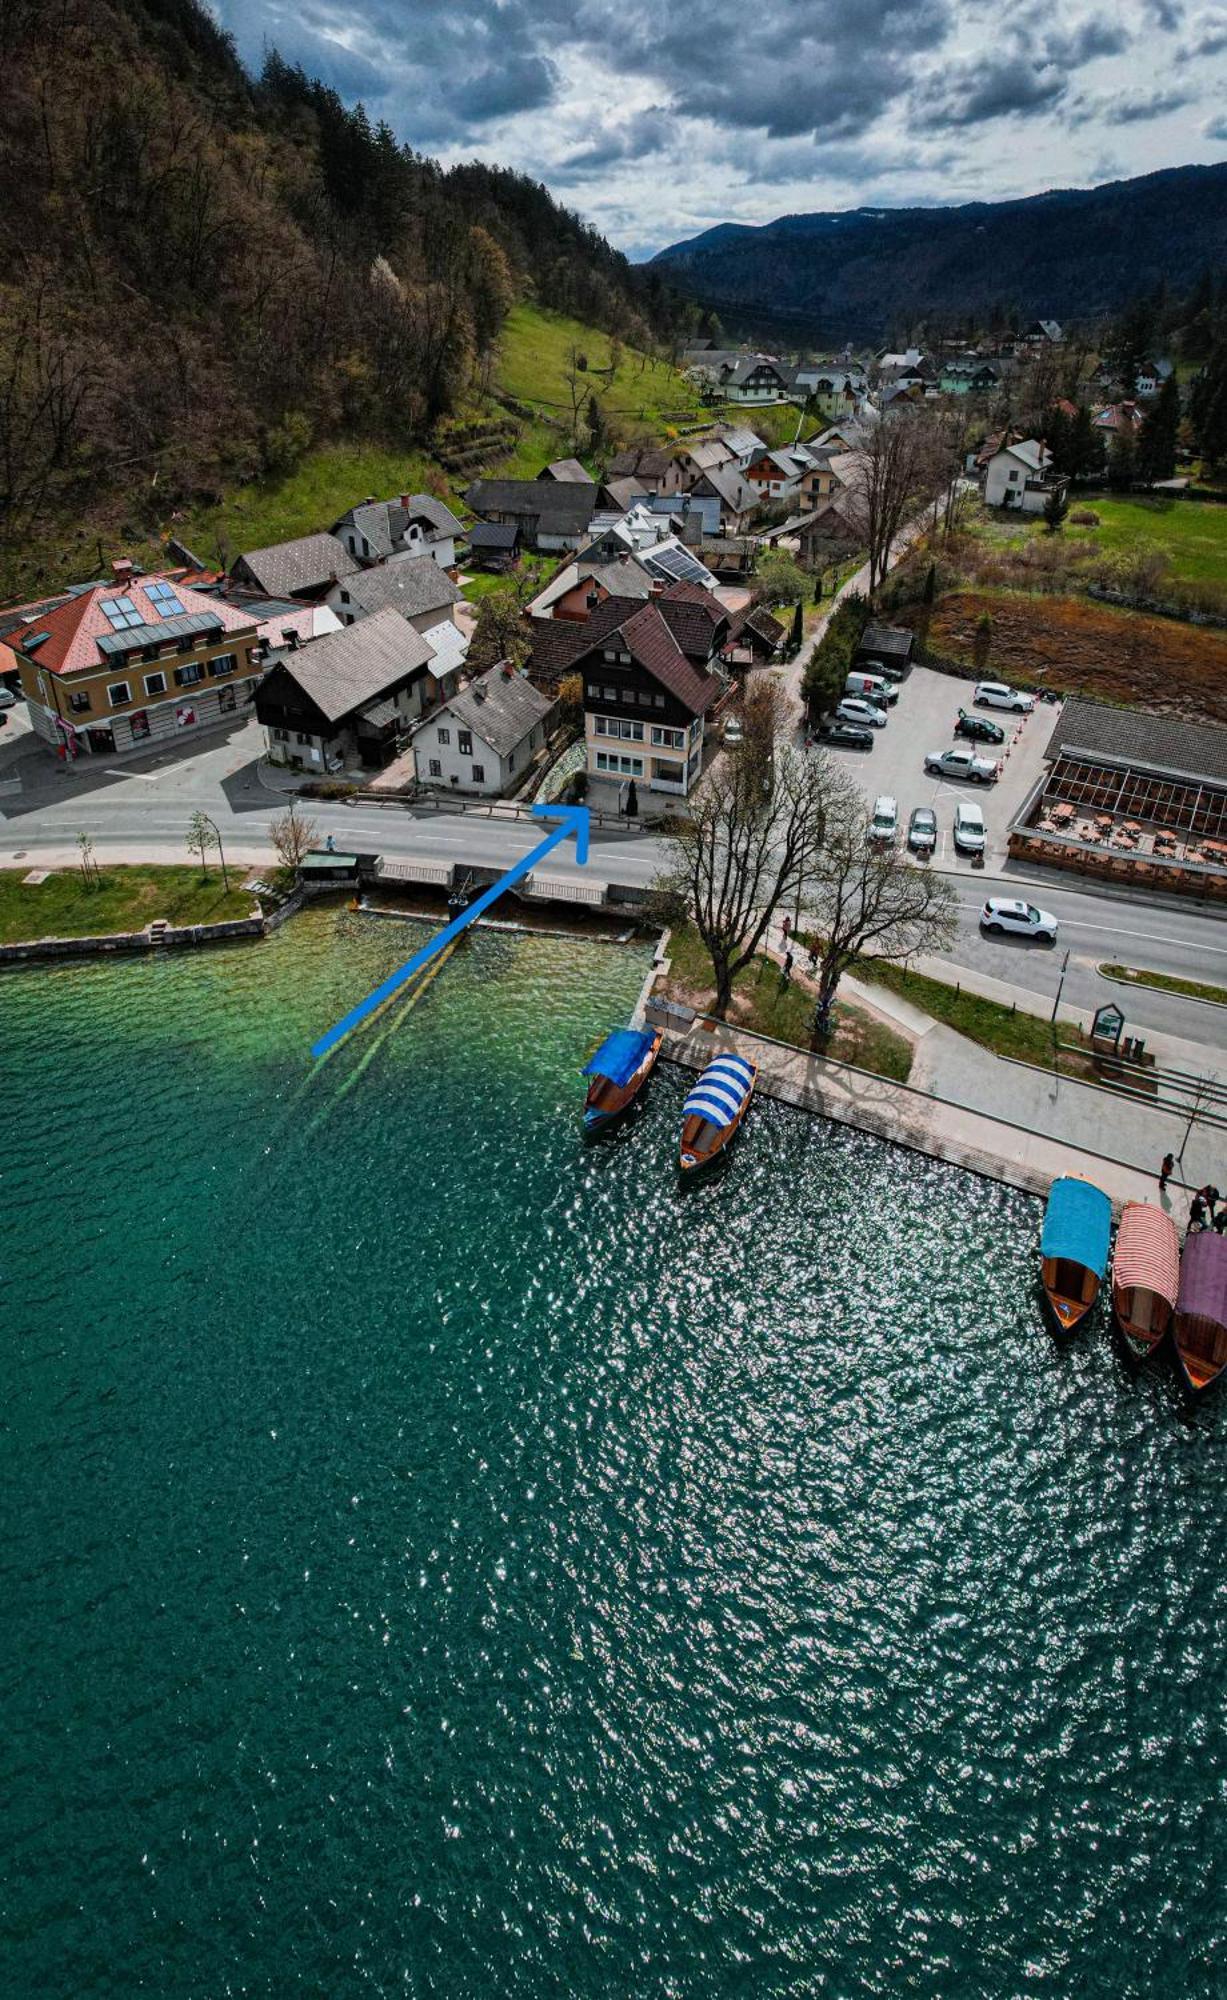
(1074, 1248)
(715, 1108)
(618, 1071)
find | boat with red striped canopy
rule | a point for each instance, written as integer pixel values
(1145, 1276)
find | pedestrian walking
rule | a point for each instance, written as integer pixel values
(786, 927)
(813, 961)
(1220, 1220)
(786, 969)
(1197, 1215)
(1166, 1171)
(1210, 1196)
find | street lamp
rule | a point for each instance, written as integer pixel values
(221, 852)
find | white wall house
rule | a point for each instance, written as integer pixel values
(1020, 476)
(484, 739)
(414, 524)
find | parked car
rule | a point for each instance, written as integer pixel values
(922, 830)
(733, 732)
(891, 670)
(847, 735)
(970, 832)
(1007, 913)
(884, 825)
(853, 710)
(7, 698)
(961, 764)
(995, 694)
(872, 688)
(978, 728)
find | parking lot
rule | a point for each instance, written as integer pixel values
(921, 721)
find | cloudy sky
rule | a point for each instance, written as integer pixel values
(657, 120)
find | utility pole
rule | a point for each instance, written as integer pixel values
(1060, 987)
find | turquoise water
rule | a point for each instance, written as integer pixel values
(443, 1560)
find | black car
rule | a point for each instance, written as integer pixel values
(978, 728)
(846, 735)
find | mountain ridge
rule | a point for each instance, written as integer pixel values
(1064, 252)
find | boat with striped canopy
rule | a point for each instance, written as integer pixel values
(1074, 1248)
(712, 1113)
(1200, 1325)
(618, 1071)
(1145, 1276)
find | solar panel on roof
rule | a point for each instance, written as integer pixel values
(164, 600)
(121, 613)
(675, 562)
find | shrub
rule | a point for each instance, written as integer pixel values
(1085, 517)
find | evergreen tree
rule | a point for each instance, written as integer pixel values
(1208, 408)
(1122, 463)
(1085, 446)
(1159, 435)
(1056, 507)
(1057, 436)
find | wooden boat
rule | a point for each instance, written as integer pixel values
(1145, 1276)
(712, 1113)
(619, 1070)
(1074, 1248)
(1200, 1324)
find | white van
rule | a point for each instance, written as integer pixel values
(873, 687)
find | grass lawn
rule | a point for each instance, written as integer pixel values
(530, 575)
(125, 900)
(1163, 982)
(1191, 533)
(305, 502)
(1006, 1032)
(761, 1002)
(532, 366)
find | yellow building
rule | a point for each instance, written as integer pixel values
(119, 667)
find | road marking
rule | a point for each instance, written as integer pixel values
(113, 771)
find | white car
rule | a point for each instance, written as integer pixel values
(970, 832)
(884, 825)
(961, 764)
(7, 698)
(852, 710)
(995, 694)
(733, 732)
(1007, 913)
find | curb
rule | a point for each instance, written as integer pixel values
(1165, 992)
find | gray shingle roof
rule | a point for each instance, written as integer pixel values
(308, 563)
(1156, 742)
(413, 585)
(561, 507)
(345, 669)
(566, 472)
(382, 523)
(500, 706)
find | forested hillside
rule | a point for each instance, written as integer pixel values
(868, 274)
(204, 273)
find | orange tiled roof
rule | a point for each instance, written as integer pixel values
(73, 631)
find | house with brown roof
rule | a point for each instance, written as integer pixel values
(118, 667)
(307, 567)
(348, 698)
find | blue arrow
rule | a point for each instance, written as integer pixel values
(574, 822)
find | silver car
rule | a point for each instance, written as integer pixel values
(995, 694)
(851, 709)
(922, 830)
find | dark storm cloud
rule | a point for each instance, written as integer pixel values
(988, 87)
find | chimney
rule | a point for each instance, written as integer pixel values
(658, 586)
(404, 501)
(122, 569)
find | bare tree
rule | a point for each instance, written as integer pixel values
(293, 835)
(868, 898)
(749, 843)
(201, 839)
(89, 865)
(898, 464)
(575, 378)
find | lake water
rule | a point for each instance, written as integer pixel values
(440, 1559)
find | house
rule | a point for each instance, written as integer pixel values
(645, 700)
(566, 472)
(1151, 376)
(743, 443)
(619, 494)
(550, 514)
(307, 567)
(704, 455)
(575, 590)
(494, 545)
(1119, 419)
(754, 379)
(775, 475)
(283, 623)
(1043, 331)
(1020, 476)
(414, 524)
(416, 587)
(828, 534)
(121, 666)
(754, 637)
(819, 479)
(484, 739)
(349, 698)
(737, 499)
(968, 378)
(839, 388)
(650, 465)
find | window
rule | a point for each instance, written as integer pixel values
(444, 735)
(659, 700)
(610, 694)
(188, 676)
(436, 768)
(479, 774)
(140, 725)
(645, 701)
(225, 663)
(162, 596)
(593, 693)
(628, 696)
(345, 597)
(280, 735)
(121, 613)
(149, 653)
(118, 693)
(155, 683)
(302, 737)
(1013, 477)
(464, 742)
(79, 702)
(668, 739)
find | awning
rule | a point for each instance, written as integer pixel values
(1077, 1224)
(1147, 1250)
(1203, 1278)
(619, 1055)
(721, 1091)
